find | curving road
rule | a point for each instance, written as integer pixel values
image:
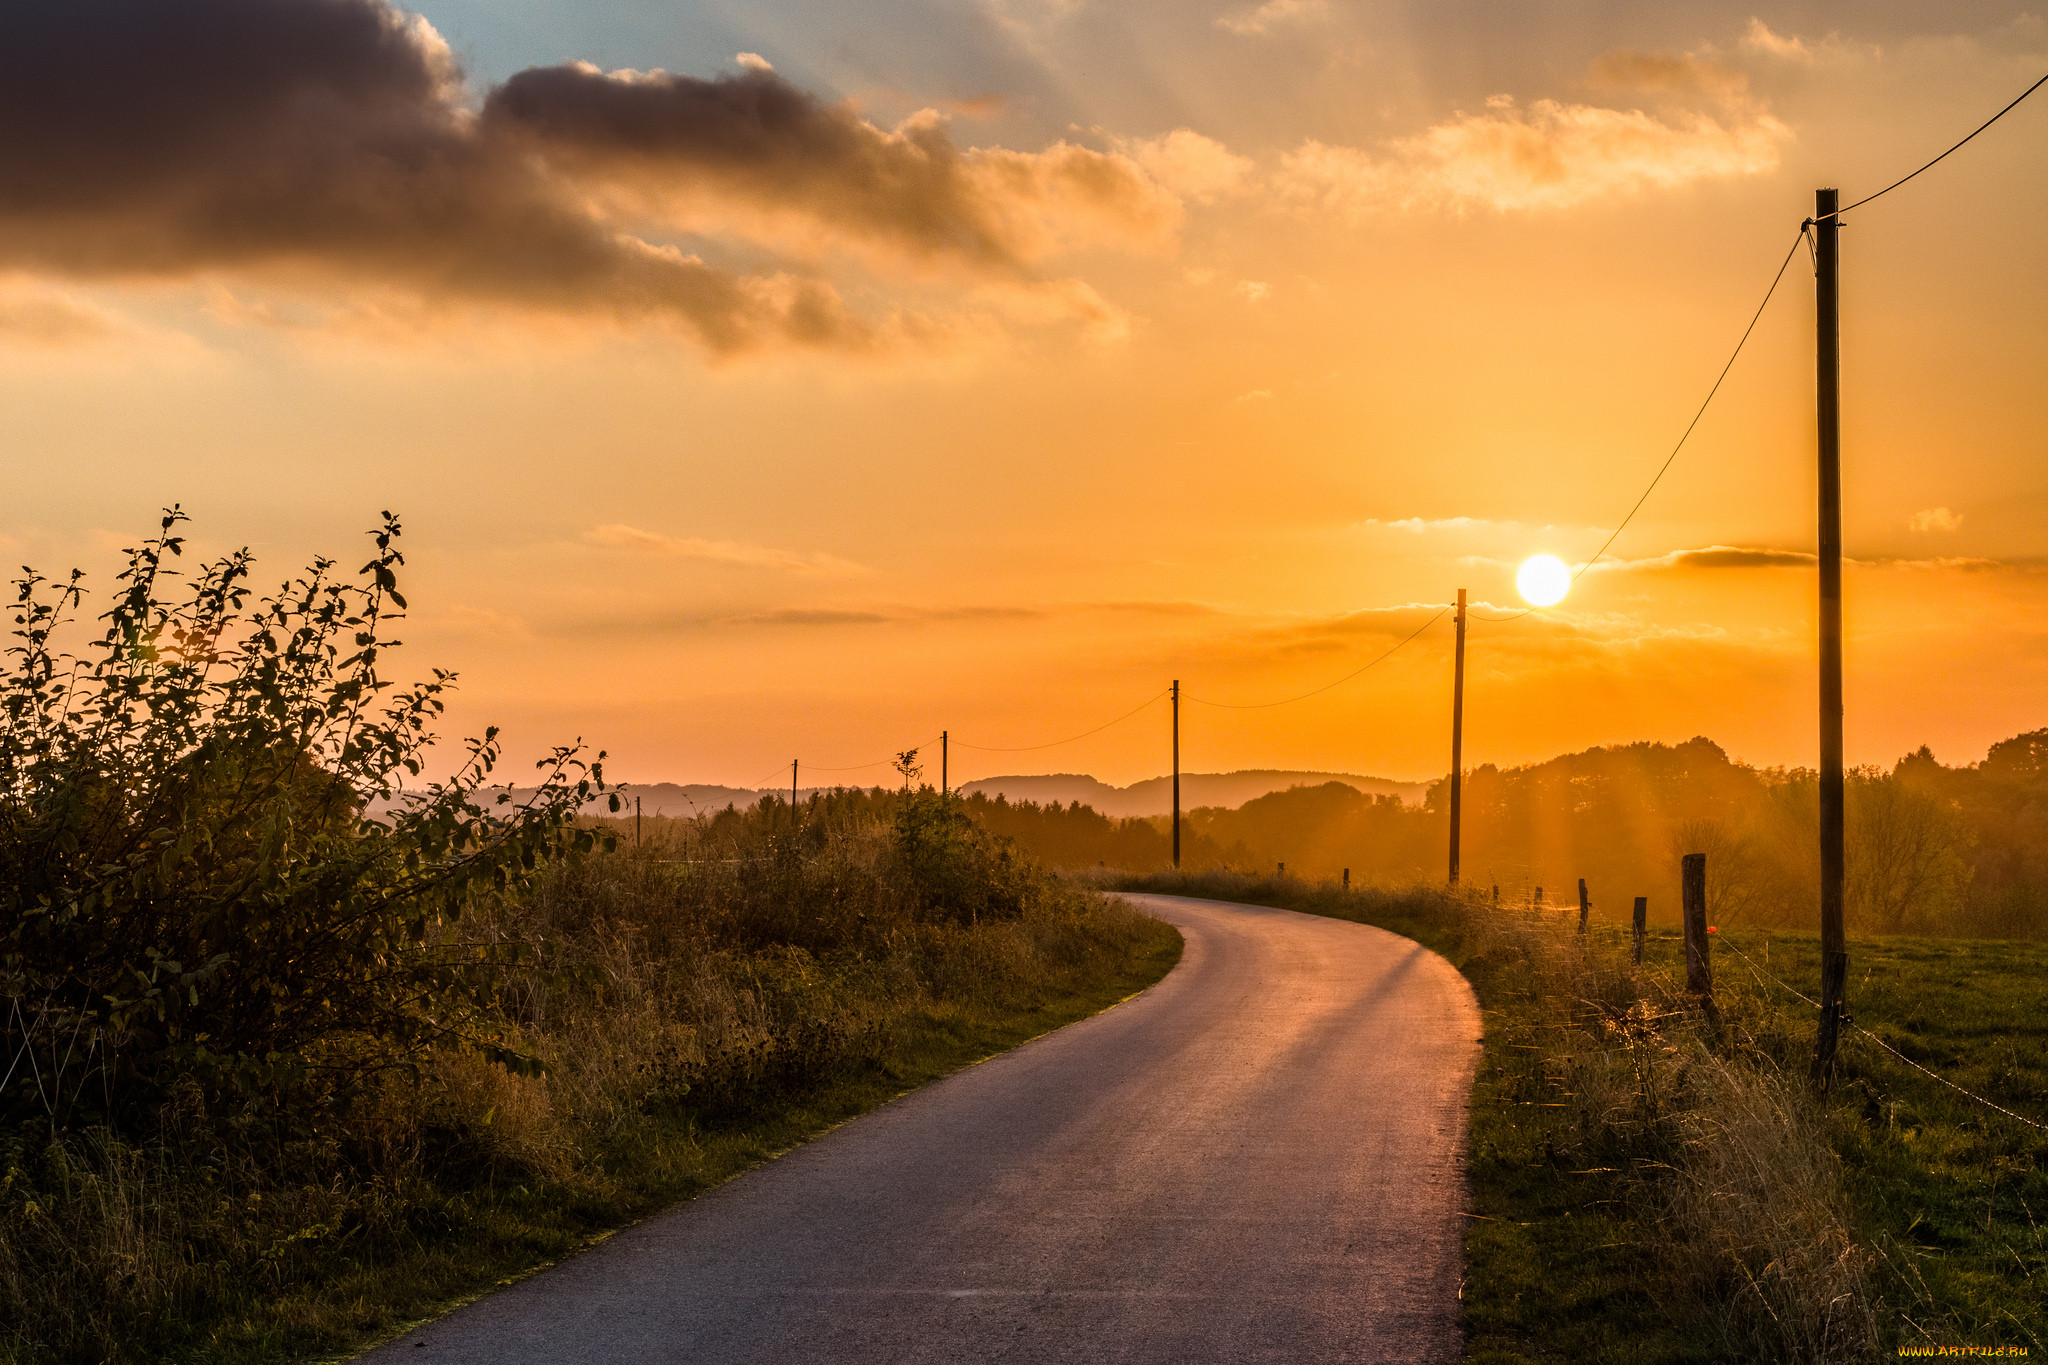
(1258, 1159)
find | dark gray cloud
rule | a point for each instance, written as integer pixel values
(163, 137)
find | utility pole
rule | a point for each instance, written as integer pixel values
(943, 742)
(636, 822)
(1834, 952)
(1176, 774)
(792, 793)
(1457, 736)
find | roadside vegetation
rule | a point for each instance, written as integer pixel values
(292, 1054)
(1644, 1189)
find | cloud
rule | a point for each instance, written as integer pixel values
(1715, 557)
(1254, 291)
(1551, 154)
(1934, 519)
(707, 152)
(730, 552)
(1254, 396)
(1258, 21)
(1759, 38)
(47, 319)
(1192, 166)
(888, 614)
(334, 144)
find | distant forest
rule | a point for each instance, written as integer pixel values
(1931, 849)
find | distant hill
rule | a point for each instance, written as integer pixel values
(1154, 796)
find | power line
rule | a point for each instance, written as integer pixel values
(1944, 156)
(1288, 701)
(1690, 427)
(1054, 744)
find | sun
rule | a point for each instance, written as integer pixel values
(1543, 580)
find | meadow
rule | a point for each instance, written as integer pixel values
(1646, 1189)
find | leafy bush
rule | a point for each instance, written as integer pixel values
(210, 873)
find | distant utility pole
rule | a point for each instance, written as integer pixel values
(1834, 952)
(1176, 773)
(792, 793)
(942, 762)
(1457, 736)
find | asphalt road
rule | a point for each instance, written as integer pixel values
(1259, 1159)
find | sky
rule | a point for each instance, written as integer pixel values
(793, 380)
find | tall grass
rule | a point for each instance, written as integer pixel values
(725, 988)
(1644, 1188)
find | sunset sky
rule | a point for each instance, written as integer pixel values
(799, 379)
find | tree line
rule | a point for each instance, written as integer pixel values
(1932, 849)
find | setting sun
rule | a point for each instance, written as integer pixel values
(1543, 580)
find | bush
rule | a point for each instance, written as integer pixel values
(210, 875)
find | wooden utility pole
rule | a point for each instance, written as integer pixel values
(636, 822)
(1585, 906)
(1176, 774)
(792, 793)
(1457, 735)
(1641, 925)
(1834, 953)
(943, 742)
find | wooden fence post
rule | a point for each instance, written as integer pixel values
(1699, 971)
(1642, 919)
(1347, 879)
(1585, 906)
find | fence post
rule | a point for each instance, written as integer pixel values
(1347, 879)
(1283, 870)
(1699, 971)
(1538, 902)
(1642, 920)
(1585, 906)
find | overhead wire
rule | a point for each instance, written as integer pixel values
(1939, 159)
(1690, 427)
(1288, 701)
(1054, 744)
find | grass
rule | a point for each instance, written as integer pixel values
(1643, 1190)
(704, 1003)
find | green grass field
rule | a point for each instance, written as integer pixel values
(1609, 1220)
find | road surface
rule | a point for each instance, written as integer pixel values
(1260, 1159)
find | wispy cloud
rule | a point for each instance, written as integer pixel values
(1551, 154)
(1934, 519)
(1262, 19)
(731, 552)
(1787, 47)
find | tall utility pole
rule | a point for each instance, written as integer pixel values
(792, 793)
(942, 762)
(1457, 736)
(1176, 774)
(1834, 952)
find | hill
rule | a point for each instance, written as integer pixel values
(1154, 796)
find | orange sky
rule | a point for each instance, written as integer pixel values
(1005, 361)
